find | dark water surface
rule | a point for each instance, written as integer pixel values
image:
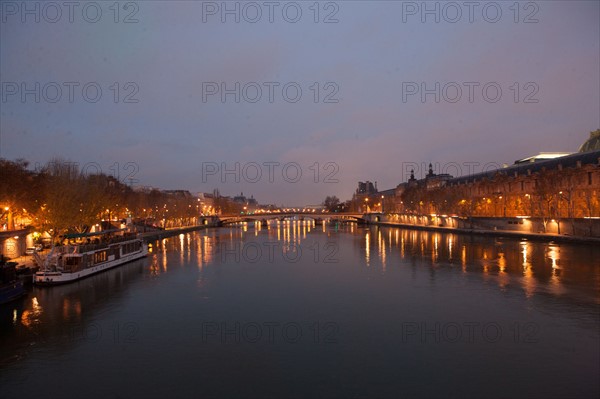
(295, 310)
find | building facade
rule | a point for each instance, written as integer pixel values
(547, 186)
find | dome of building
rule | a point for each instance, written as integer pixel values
(593, 143)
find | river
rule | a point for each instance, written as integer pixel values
(298, 310)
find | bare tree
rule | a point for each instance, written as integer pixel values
(591, 204)
(331, 203)
(545, 194)
(17, 191)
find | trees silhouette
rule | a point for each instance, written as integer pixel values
(60, 198)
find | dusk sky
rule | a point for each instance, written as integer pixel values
(365, 121)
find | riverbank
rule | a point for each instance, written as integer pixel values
(496, 233)
(28, 261)
(160, 234)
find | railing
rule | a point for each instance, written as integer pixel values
(82, 248)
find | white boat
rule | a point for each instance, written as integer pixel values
(69, 263)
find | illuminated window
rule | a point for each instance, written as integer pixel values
(100, 257)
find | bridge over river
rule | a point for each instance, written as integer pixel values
(281, 216)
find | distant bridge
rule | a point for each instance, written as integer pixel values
(265, 217)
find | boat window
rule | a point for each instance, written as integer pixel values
(100, 257)
(72, 260)
(131, 247)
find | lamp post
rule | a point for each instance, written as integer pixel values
(499, 197)
(7, 225)
(382, 203)
(503, 210)
(558, 211)
(530, 211)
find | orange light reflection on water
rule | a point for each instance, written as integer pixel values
(31, 317)
(529, 283)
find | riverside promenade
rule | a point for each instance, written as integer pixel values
(490, 232)
(160, 234)
(28, 260)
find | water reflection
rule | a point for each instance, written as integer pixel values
(367, 249)
(154, 266)
(31, 316)
(50, 313)
(536, 267)
(382, 279)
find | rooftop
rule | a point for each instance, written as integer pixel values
(591, 144)
(542, 156)
(572, 160)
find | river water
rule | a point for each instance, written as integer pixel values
(297, 310)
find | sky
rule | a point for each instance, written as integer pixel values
(293, 101)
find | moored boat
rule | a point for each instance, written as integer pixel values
(11, 287)
(72, 262)
(25, 273)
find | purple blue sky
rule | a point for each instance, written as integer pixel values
(374, 50)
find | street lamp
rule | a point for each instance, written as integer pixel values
(530, 205)
(382, 203)
(7, 226)
(498, 197)
(560, 197)
(503, 208)
(558, 211)
(530, 210)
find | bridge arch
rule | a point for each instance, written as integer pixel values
(225, 220)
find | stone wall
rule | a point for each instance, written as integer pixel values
(573, 227)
